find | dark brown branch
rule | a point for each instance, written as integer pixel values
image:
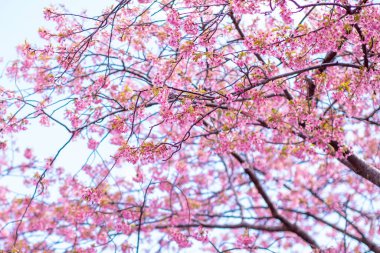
(310, 88)
(290, 226)
(358, 165)
(328, 58)
(364, 46)
(228, 226)
(236, 24)
(372, 246)
(141, 217)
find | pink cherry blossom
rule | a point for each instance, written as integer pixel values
(224, 126)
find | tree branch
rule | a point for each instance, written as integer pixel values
(290, 226)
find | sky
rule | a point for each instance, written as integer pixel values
(20, 21)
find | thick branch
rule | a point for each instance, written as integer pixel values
(372, 246)
(359, 166)
(236, 24)
(290, 226)
(352, 161)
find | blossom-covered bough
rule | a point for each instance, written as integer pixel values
(239, 126)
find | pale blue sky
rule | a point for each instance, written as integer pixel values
(19, 21)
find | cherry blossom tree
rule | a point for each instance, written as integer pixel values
(239, 126)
